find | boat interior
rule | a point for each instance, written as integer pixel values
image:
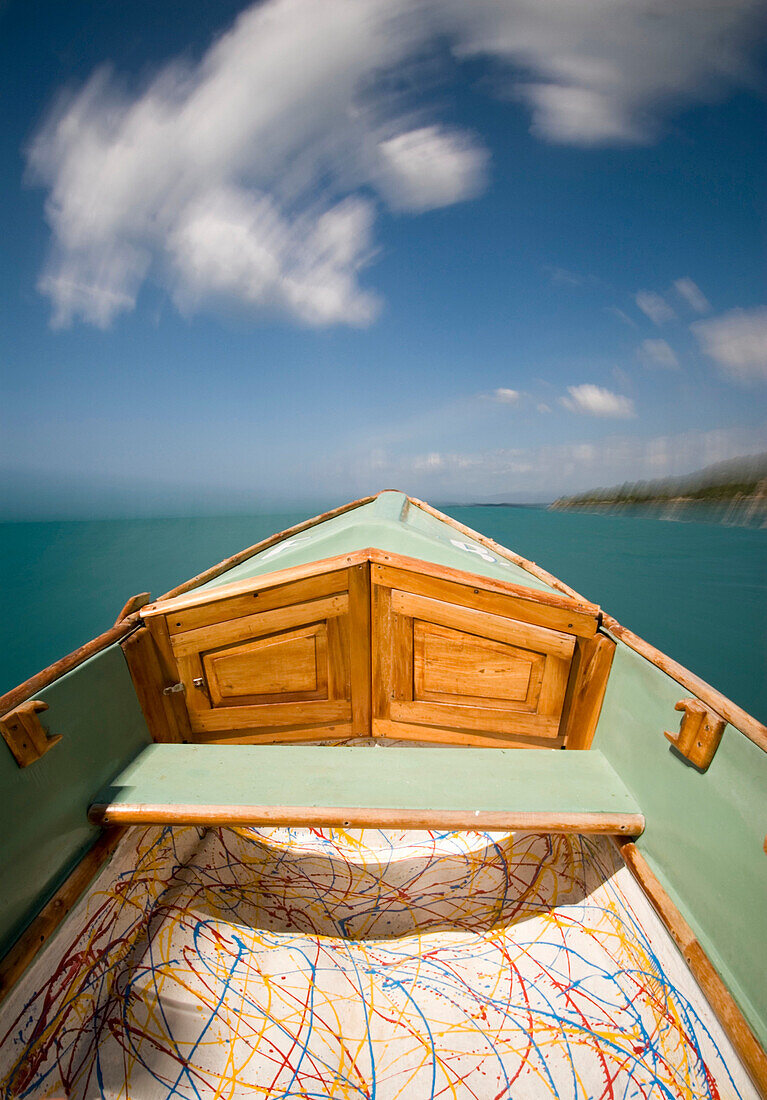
(380, 808)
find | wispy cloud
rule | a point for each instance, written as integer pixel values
(622, 316)
(737, 342)
(692, 294)
(256, 174)
(657, 353)
(545, 471)
(505, 396)
(602, 72)
(654, 306)
(596, 401)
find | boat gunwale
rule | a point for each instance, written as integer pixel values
(738, 718)
(376, 556)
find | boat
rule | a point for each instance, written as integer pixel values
(377, 808)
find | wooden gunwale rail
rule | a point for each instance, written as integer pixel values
(59, 668)
(737, 717)
(243, 555)
(720, 999)
(41, 928)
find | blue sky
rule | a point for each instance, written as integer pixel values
(298, 251)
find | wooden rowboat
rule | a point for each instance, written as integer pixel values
(218, 884)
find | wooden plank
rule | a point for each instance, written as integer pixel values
(285, 667)
(402, 658)
(259, 624)
(169, 672)
(501, 551)
(553, 687)
(454, 667)
(269, 715)
(243, 555)
(482, 594)
(360, 667)
(490, 584)
(383, 648)
(355, 817)
(442, 735)
(718, 996)
(257, 599)
(502, 628)
(587, 687)
(40, 930)
(484, 719)
(284, 735)
(262, 583)
(339, 675)
(43, 679)
(143, 662)
(735, 715)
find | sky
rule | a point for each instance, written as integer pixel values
(297, 251)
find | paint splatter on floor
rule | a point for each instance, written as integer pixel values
(362, 965)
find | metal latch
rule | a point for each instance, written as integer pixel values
(172, 689)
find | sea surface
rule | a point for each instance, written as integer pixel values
(697, 591)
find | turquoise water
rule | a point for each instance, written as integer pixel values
(697, 591)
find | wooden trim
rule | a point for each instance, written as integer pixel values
(250, 627)
(487, 584)
(494, 597)
(255, 584)
(268, 715)
(501, 551)
(734, 714)
(243, 555)
(718, 996)
(386, 729)
(364, 817)
(59, 668)
(144, 664)
(499, 628)
(482, 719)
(131, 605)
(586, 691)
(288, 735)
(29, 943)
(360, 659)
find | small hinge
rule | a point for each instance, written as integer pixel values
(700, 732)
(24, 735)
(172, 689)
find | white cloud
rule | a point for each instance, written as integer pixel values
(601, 72)
(542, 407)
(654, 306)
(290, 114)
(506, 396)
(692, 294)
(596, 401)
(657, 353)
(431, 167)
(737, 342)
(241, 177)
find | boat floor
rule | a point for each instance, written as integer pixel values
(301, 963)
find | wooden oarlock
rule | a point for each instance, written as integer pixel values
(699, 734)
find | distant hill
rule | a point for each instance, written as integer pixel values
(740, 482)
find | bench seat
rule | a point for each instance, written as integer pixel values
(540, 790)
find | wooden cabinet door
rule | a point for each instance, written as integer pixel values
(281, 663)
(451, 664)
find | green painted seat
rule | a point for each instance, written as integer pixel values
(541, 790)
